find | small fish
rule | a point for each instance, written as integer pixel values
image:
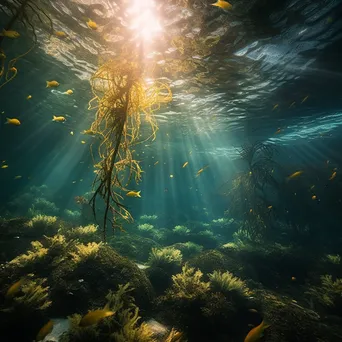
(133, 194)
(275, 106)
(4, 166)
(278, 131)
(52, 84)
(93, 317)
(171, 176)
(270, 207)
(293, 278)
(314, 197)
(256, 333)
(312, 187)
(68, 92)
(10, 34)
(292, 104)
(15, 288)
(225, 5)
(157, 162)
(333, 175)
(60, 34)
(14, 121)
(89, 132)
(305, 98)
(253, 310)
(73, 182)
(92, 25)
(44, 331)
(71, 133)
(58, 118)
(185, 164)
(29, 97)
(18, 177)
(201, 170)
(295, 175)
(83, 142)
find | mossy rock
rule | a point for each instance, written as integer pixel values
(215, 260)
(84, 286)
(133, 246)
(290, 321)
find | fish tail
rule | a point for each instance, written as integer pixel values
(7, 121)
(47, 84)
(138, 194)
(53, 118)
(265, 325)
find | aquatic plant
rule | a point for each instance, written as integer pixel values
(188, 284)
(188, 248)
(148, 217)
(84, 234)
(334, 259)
(43, 207)
(120, 96)
(37, 253)
(27, 12)
(43, 224)
(145, 228)
(73, 216)
(248, 195)
(226, 283)
(85, 251)
(165, 257)
(35, 296)
(181, 230)
(122, 327)
(329, 294)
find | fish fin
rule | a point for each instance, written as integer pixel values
(138, 194)
(53, 118)
(7, 121)
(106, 307)
(265, 325)
(47, 84)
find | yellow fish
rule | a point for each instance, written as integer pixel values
(305, 98)
(201, 170)
(44, 331)
(58, 118)
(333, 175)
(314, 197)
(4, 166)
(295, 175)
(29, 97)
(91, 24)
(157, 162)
(52, 84)
(133, 194)
(15, 288)
(60, 34)
(18, 177)
(83, 142)
(223, 4)
(89, 132)
(68, 92)
(275, 106)
(13, 121)
(185, 164)
(71, 133)
(92, 317)
(10, 34)
(256, 333)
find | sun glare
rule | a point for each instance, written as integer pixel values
(144, 19)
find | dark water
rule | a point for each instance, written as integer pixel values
(273, 77)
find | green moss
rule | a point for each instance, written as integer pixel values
(43, 225)
(226, 283)
(188, 284)
(165, 257)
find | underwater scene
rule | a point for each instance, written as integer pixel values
(171, 170)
